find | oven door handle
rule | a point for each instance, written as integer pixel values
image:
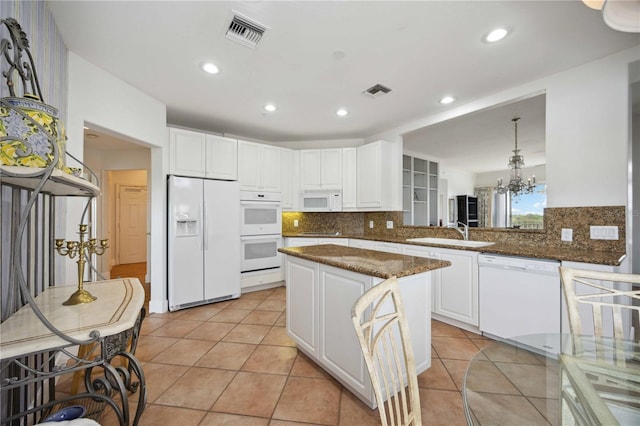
(260, 203)
(269, 237)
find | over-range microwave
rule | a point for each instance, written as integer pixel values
(321, 201)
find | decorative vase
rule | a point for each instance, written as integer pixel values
(28, 129)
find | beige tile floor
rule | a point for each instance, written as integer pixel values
(232, 363)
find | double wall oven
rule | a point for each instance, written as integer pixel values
(260, 230)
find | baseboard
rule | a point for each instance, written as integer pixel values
(158, 306)
(456, 323)
(262, 287)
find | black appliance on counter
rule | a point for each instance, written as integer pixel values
(467, 210)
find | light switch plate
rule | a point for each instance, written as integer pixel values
(603, 232)
(370, 224)
(567, 234)
(389, 224)
(295, 223)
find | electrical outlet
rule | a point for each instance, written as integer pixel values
(370, 224)
(567, 234)
(389, 224)
(603, 232)
(295, 223)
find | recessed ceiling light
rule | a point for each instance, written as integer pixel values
(496, 35)
(447, 100)
(210, 68)
(342, 112)
(270, 107)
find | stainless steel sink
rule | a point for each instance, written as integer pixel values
(451, 242)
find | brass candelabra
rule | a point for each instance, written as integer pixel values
(79, 248)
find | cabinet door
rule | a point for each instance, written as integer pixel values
(288, 180)
(340, 350)
(249, 165)
(222, 158)
(271, 168)
(369, 190)
(365, 244)
(187, 153)
(302, 303)
(349, 178)
(336, 241)
(436, 274)
(331, 168)
(301, 242)
(310, 168)
(456, 296)
(387, 247)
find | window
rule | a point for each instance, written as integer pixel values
(527, 209)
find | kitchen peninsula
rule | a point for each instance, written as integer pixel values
(323, 282)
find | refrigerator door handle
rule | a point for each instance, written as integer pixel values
(203, 241)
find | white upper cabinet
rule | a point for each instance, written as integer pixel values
(349, 178)
(222, 158)
(321, 168)
(201, 155)
(290, 167)
(187, 155)
(259, 167)
(377, 176)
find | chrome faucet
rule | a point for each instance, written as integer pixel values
(464, 231)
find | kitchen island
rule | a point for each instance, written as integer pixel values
(324, 281)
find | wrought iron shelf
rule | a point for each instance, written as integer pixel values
(59, 183)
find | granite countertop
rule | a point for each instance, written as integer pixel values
(540, 251)
(368, 262)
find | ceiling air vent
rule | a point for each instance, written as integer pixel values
(245, 31)
(377, 91)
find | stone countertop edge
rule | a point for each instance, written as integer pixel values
(540, 251)
(368, 262)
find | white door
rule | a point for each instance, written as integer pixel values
(132, 224)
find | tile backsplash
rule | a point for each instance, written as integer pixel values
(579, 219)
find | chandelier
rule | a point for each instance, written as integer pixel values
(516, 184)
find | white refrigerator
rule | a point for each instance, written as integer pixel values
(203, 264)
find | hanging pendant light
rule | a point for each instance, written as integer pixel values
(516, 185)
(621, 15)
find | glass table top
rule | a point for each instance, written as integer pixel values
(553, 379)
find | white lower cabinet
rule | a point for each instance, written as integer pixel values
(340, 351)
(302, 241)
(302, 303)
(455, 288)
(387, 247)
(319, 301)
(365, 244)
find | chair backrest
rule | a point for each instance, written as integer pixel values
(382, 329)
(608, 299)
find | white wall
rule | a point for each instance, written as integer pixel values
(459, 182)
(587, 137)
(587, 129)
(100, 99)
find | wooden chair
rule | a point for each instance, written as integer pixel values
(608, 307)
(380, 323)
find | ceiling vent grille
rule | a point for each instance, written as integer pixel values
(245, 31)
(377, 91)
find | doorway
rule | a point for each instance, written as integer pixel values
(122, 213)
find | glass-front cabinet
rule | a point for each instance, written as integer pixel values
(419, 191)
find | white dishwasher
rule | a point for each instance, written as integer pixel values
(519, 297)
